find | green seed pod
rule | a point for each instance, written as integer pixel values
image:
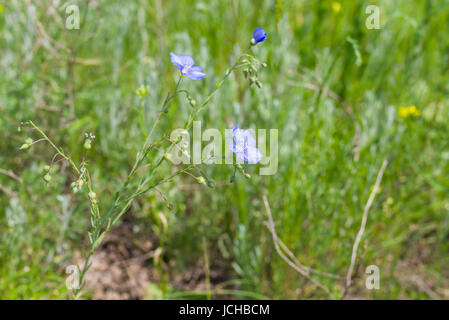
(92, 195)
(46, 168)
(201, 180)
(47, 178)
(28, 141)
(87, 144)
(24, 146)
(252, 80)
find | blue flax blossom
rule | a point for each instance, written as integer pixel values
(259, 35)
(185, 64)
(243, 144)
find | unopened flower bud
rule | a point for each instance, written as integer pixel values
(46, 168)
(28, 141)
(259, 35)
(142, 92)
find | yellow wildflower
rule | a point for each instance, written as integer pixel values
(336, 6)
(414, 111)
(405, 112)
(1, 8)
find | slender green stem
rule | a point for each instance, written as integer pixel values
(60, 151)
(101, 225)
(140, 156)
(142, 117)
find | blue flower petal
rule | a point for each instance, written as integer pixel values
(250, 155)
(244, 145)
(259, 35)
(195, 73)
(231, 144)
(243, 138)
(182, 62)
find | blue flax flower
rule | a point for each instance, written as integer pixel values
(243, 145)
(259, 35)
(185, 64)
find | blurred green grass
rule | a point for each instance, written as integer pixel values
(337, 121)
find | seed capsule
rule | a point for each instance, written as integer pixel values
(88, 144)
(201, 180)
(47, 178)
(24, 146)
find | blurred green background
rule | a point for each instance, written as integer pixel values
(332, 87)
